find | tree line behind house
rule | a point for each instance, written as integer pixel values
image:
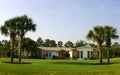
(53, 43)
(31, 46)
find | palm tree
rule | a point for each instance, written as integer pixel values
(96, 35)
(9, 29)
(25, 24)
(109, 33)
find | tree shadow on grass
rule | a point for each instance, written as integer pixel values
(103, 63)
(8, 62)
(82, 63)
(73, 63)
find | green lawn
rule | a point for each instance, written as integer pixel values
(59, 67)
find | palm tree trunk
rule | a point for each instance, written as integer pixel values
(27, 54)
(113, 55)
(100, 56)
(12, 49)
(108, 44)
(23, 53)
(100, 52)
(108, 55)
(20, 48)
(11, 56)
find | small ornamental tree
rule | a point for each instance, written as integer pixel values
(63, 54)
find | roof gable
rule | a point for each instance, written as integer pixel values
(86, 48)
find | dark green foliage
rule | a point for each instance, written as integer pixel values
(39, 41)
(63, 54)
(46, 43)
(115, 50)
(53, 43)
(93, 45)
(69, 44)
(4, 48)
(74, 57)
(60, 44)
(80, 43)
(29, 45)
(49, 43)
(55, 57)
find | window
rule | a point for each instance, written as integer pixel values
(49, 54)
(81, 54)
(89, 54)
(46, 54)
(78, 55)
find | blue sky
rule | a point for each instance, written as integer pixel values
(63, 19)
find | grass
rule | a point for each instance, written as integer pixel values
(59, 67)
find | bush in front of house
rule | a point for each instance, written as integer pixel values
(74, 57)
(64, 54)
(55, 57)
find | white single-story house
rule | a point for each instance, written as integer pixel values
(84, 52)
(49, 52)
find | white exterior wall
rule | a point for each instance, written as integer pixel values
(70, 52)
(53, 53)
(85, 50)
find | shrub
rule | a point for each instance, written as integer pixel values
(54, 57)
(74, 57)
(64, 54)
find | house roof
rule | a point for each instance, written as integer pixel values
(54, 48)
(87, 47)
